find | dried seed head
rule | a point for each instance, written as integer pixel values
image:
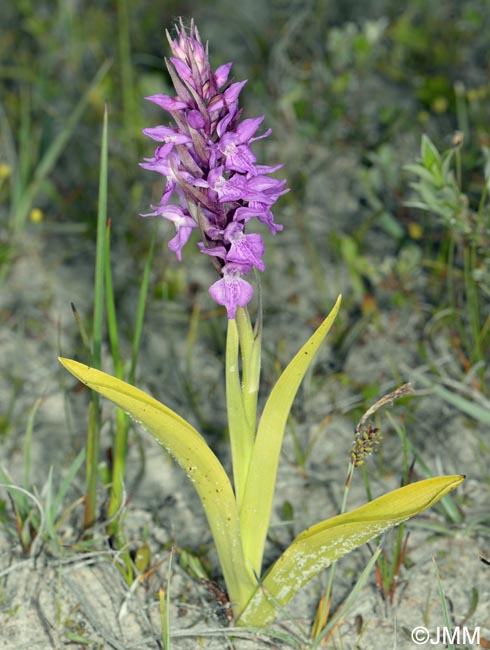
(365, 443)
(367, 437)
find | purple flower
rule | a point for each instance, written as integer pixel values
(232, 290)
(184, 225)
(211, 170)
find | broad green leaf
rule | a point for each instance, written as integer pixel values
(197, 460)
(317, 547)
(261, 479)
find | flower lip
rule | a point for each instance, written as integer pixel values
(232, 290)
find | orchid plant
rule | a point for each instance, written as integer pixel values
(221, 192)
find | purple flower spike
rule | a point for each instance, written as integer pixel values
(211, 170)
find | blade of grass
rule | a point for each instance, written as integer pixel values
(81, 328)
(348, 602)
(122, 420)
(48, 506)
(67, 481)
(27, 443)
(164, 595)
(14, 489)
(94, 410)
(445, 611)
(115, 528)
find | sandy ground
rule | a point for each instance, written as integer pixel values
(62, 596)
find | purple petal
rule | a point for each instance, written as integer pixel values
(267, 169)
(260, 212)
(166, 134)
(247, 128)
(231, 93)
(232, 189)
(177, 243)
(195, 119)
(222, 73)
(245, 249)
(231, 291)
(225, 122)
(183, 70)
(239, 159)
(167, 102)
(184, 225)
(217, 251)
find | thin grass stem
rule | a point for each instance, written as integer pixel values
(94, 411)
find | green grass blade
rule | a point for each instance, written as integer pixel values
(27, 443)
(98, 318)
(120, 443)
(49, 512)
(165, 605)
(100, 254)
(445, 610)
(68, 480)
(464, 405)
(18, 497)
(349, 601)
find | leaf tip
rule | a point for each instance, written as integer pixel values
(74, 367)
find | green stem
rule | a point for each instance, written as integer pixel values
(241, 441)
(250, 348)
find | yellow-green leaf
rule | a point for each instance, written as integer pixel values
(197, 460)
(317, 547)
(261, 479)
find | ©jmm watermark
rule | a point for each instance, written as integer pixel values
(460, 635)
